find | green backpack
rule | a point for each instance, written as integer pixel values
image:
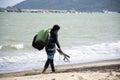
(40, 39)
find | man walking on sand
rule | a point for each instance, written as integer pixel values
(51, 49)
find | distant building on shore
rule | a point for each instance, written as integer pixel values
(9, 9)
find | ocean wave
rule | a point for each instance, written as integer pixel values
(102, 48)
(0, 47)
(12, 47)
(78, 54)
(75, 51)
(22, 62)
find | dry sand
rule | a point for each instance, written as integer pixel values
(101, 70)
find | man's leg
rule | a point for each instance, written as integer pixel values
(52, 65)
(46, 65)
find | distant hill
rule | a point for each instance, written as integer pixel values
(79, 5)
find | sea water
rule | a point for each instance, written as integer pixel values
(86, 37)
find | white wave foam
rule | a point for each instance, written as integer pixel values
(113, 47)
(25, 61)
(18, 46)
(0, 47)
(76, 51)
(78, 54)
(13, 46)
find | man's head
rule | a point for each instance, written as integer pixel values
(55, 28)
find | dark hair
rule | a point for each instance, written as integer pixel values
(55, 27)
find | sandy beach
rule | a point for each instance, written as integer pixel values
(100, 70)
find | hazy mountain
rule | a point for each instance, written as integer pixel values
(81, 5)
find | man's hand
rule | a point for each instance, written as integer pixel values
(65, 55)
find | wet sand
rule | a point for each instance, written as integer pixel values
(100, 70)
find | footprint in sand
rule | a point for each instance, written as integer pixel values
(53, 79)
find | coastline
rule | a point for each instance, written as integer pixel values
(110, 69)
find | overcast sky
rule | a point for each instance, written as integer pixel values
(5, 3)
